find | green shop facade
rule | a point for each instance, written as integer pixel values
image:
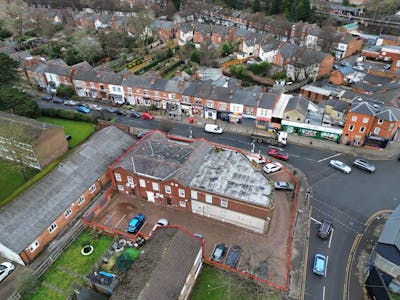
(314, 131)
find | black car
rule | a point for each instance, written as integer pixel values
(325, 229)
(47, 97)
(224, 117)
(121, 113)
(219, 252)
(135, 114)
(233, 257)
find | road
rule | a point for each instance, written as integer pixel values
(345, 199)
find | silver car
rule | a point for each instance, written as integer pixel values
(364, 165)
(337, 164)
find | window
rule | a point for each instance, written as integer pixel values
(362, 129)
(92, 189)
(130, 179)
(182, 203)
(377, 130)
(81, 200)
(380, 121)
(224, 202)
(34, 246)
(391, 127)
(181, 193)
(354, 118)
(67, 213)
(155, 186)
(120, 187)
(351, 127)
(193, 194)
(52, 227)
(365, 120)
(209, 199)
(168, 189)
(142, 183)
(117, 177)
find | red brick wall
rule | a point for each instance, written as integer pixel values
(352, 134)
(337, 78)
(354, 46)
(46, 237)
(326, 66)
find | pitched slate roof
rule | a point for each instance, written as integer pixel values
(391, 230)
(290, 51)
(389, 114)
(362, 107)
(58, 69)
(160, 272)
(268, 100)
(299, 103)
(24, 218)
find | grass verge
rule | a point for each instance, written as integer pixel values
(79, 131)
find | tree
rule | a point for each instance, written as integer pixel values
(65, 91)
(8, 70)
(72, 57)
(140, 26)
(226, 49)
(303, 10)
(345, 2)
(17, 102)
(15, 134)
(256, 6)
(177, 4)
(89, 49)
(275, 7)
(293, 12)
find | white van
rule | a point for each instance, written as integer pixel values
(212, 128)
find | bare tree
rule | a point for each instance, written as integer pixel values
(15, 17)
(18, 141)
(140, 26)
(89, 48)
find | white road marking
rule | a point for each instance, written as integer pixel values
(120, 220)
(316, 221)
(323, 293)
(329, 157)
(326, 267)
(330, 239)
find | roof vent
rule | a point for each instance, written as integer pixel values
(375, 105)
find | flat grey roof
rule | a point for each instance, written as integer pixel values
(23, 219)
(229, 173)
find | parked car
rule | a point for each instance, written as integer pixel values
(135, 224)
(282, 185)
(95, 107)
(272, 167)
(213, 128)
(147, 116)
(364, 165)
(325, 229)
(319, 267)
(233, 257)
(121, 112)
(341, 166)
(336, 67)
(387, 66)
(160, 223)
(58, 100)
(83, 108)
(70, 102)
(6, 268)
(224, 117)
(344, 63)
(110, 109)
(135, 114)
(47, 97)
(278, 154)
(198, 235)
(219, 252)
(359, 68)
(141, 134)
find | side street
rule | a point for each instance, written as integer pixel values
(177, 149)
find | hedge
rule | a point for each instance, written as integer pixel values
(148, 67)
(67, 114)
(171, 67)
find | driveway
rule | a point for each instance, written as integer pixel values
(270, 248)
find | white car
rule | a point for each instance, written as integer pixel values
(160, 223)
(272, 167)
(5, 269)
(70, 102)
(341, 166)
(359, 68)
(95, 107)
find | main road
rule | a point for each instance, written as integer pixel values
(345, 199)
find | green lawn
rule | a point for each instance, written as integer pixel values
(79, 131)
(10, 178)
(66, 272)
(216, 284)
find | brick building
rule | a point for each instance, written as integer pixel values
(38, 143)
(32, 220)
(196, 177)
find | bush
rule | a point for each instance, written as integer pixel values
(259, 69)
(171, 67)
(279, 75)
(4, 33)
(65, 91)
(67, 114)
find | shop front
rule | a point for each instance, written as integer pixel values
(376, 142)
(314, 131)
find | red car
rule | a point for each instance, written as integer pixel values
(278, 154)
(147, 116)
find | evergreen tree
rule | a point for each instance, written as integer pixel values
(275, 7)
(256, 6)
(293, 12)
(303, 10)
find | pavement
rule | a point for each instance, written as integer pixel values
(248, 126)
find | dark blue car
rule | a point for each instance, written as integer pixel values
(233, 257)
(135, 224)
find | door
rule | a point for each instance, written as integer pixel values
(150, 196)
